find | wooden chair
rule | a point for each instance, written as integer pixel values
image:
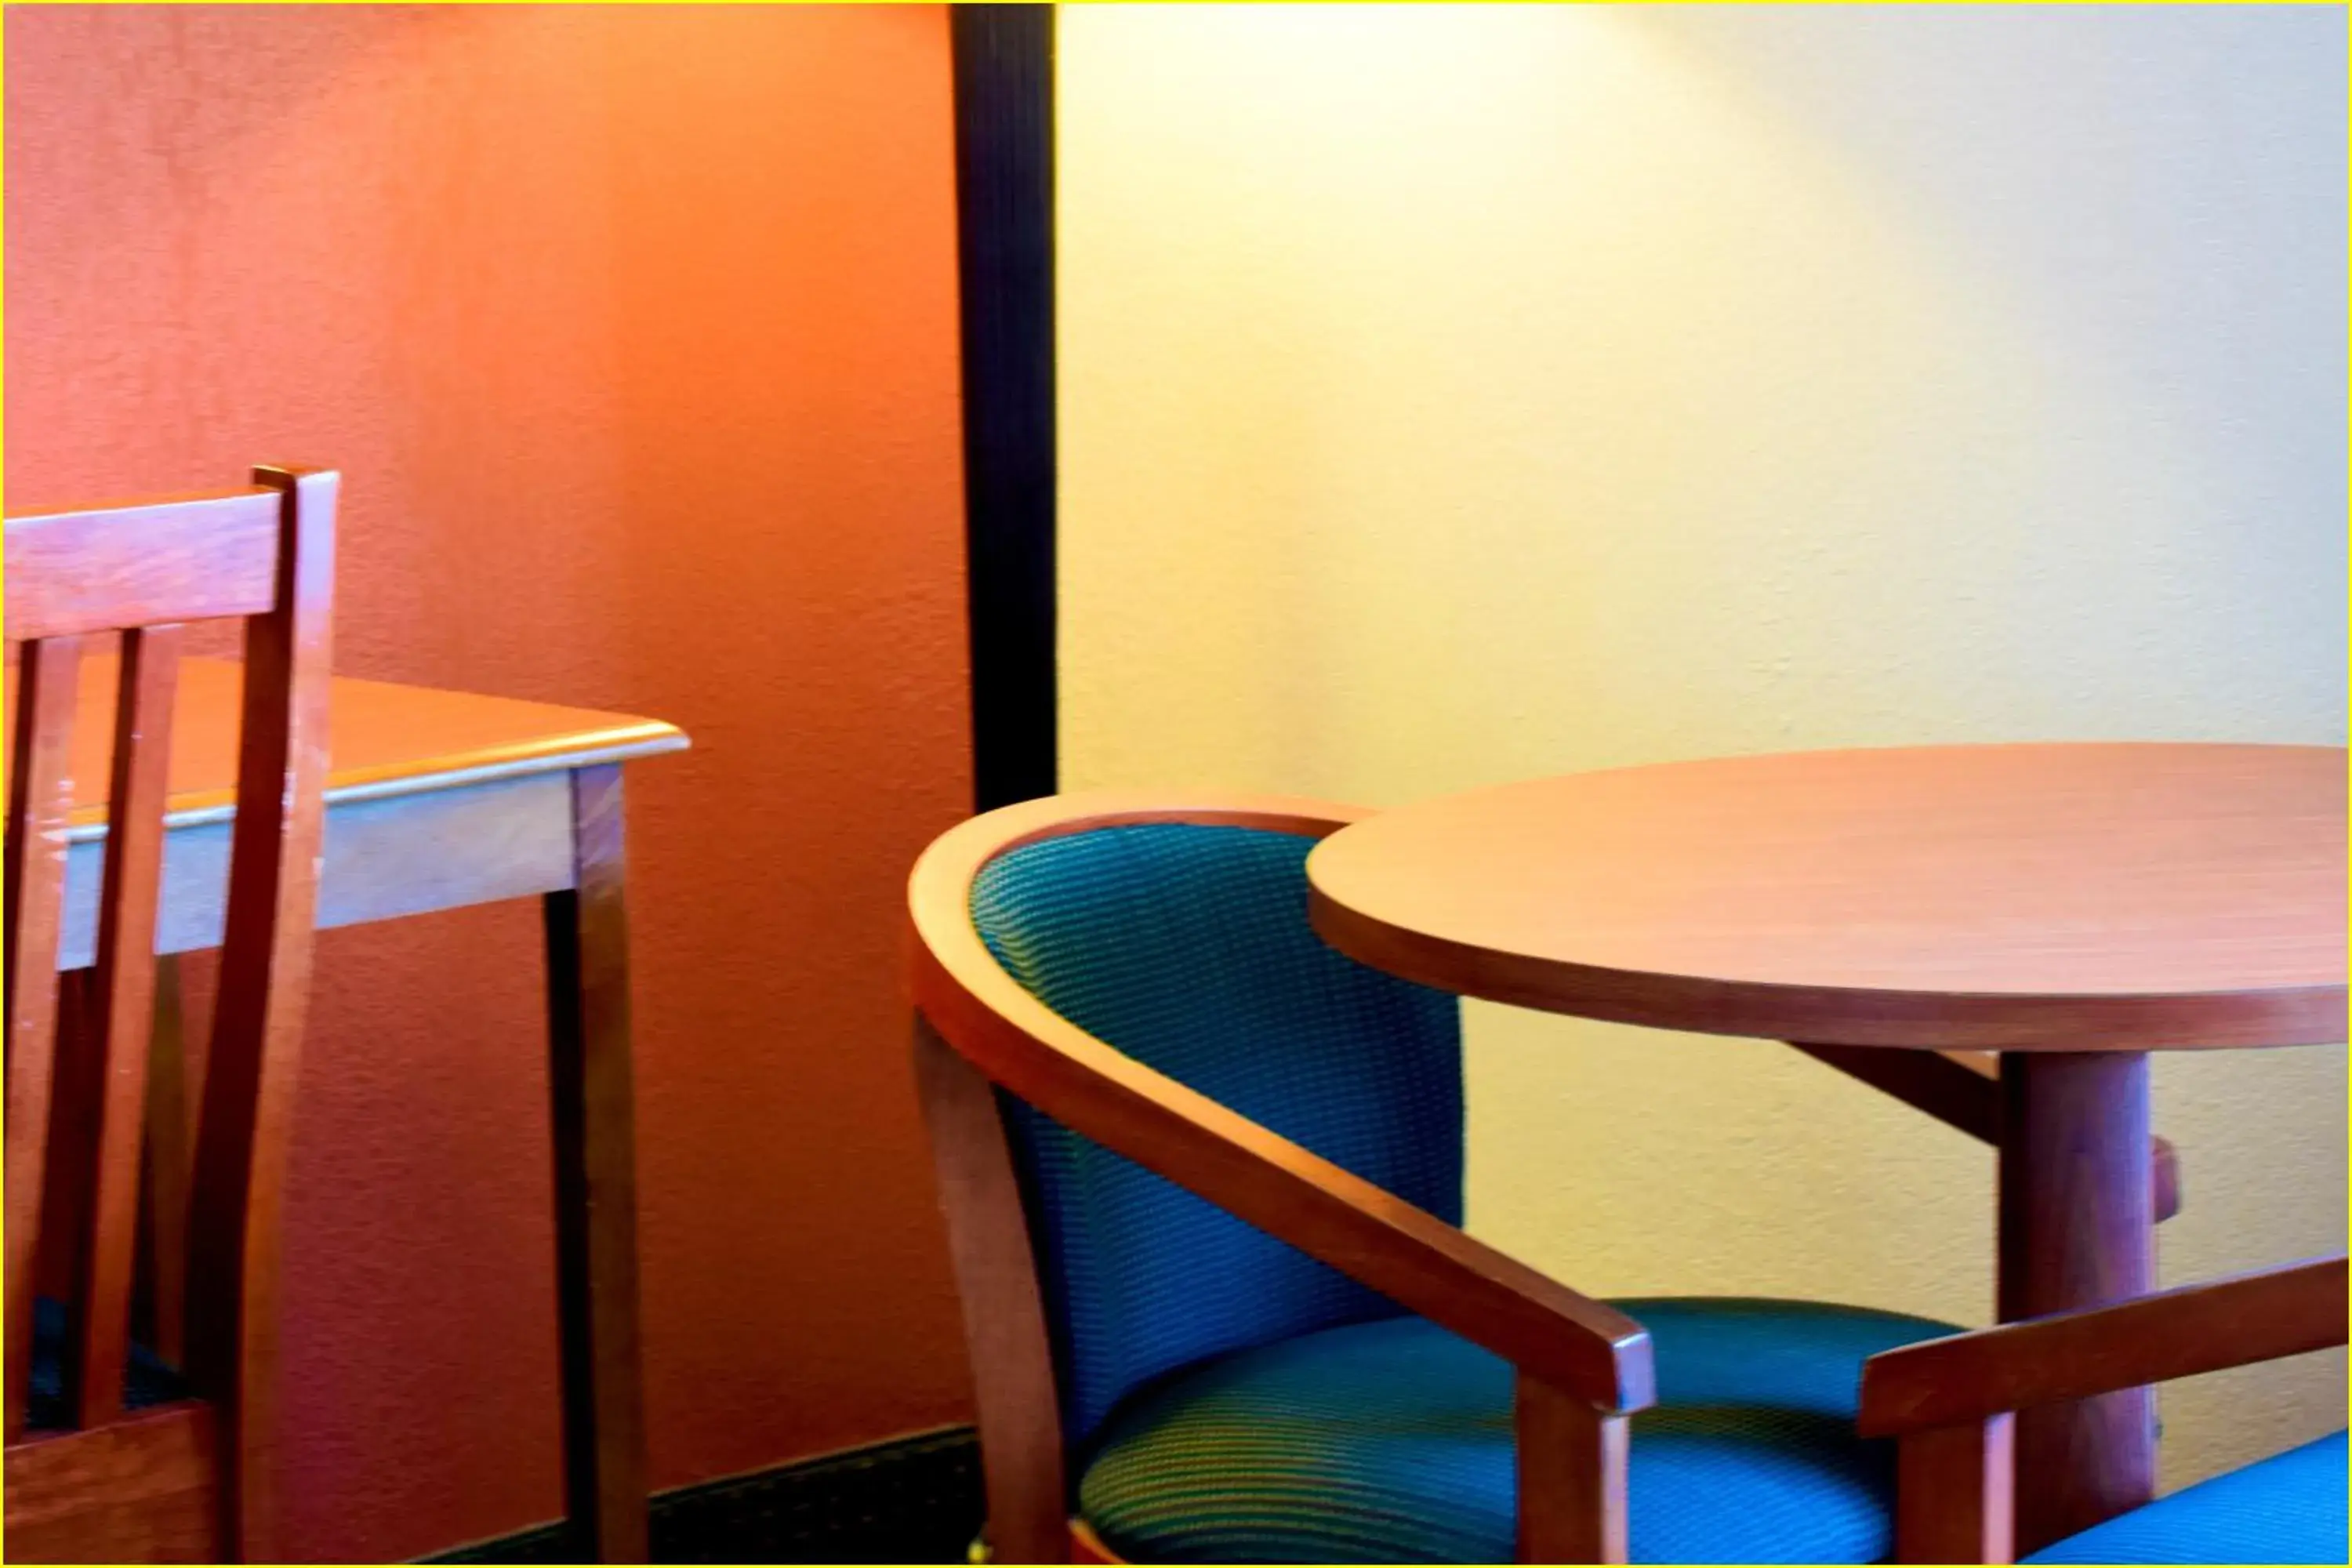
(1950, 1402)
(1203, 1182)
(112, 1454)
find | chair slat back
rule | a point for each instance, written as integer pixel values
(40, 801)
(138, 564)
(123, 1027)
(141, 569)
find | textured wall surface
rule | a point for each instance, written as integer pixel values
(634, 333)
(1457, 395)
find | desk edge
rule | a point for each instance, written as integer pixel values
(621, 743)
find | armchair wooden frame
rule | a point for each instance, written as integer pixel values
(1950, 1402)
(1583, 1367)
(192, 1480)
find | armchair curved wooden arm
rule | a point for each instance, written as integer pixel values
(1583, 1366)
(1949, 1400)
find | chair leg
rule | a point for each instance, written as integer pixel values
(1004, 1317)
(1953, 1492)
(1571, 1477)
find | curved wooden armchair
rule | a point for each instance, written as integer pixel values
(1949, 1403)
(112, 1454)
(1582, 1367)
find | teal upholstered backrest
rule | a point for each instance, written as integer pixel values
(1187, 948)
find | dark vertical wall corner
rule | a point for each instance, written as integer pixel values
(1004, 200)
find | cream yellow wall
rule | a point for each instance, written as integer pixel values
(1453, 394)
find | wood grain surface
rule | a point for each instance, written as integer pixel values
(201, 1484)
(1949, 1401)
(1571, 1342)
(124, 992)
(1582, 1365)
(384, 739)
(2060, 896)
(1955, 1493)
(133, 563)
(592, 1089)
(40, 788)
(2076, 1229)
(2290, 1310)
(1572, 1504)
(1012, 1352)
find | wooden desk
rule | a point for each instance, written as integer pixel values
(436, 800)
(2071, 907)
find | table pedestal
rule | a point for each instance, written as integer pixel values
(2077, 1228)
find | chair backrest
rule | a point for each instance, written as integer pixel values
(264, 555)
(1186, 946)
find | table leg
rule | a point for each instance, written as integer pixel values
(2077, 1228)
(595, 1182)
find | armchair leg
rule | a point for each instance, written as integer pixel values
(1571, 1477)
(1952, 1500)
(1004, 1315)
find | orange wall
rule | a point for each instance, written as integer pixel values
(634, 333)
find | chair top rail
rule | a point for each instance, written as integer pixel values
(141, 563)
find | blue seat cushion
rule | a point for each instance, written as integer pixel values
(2288, 1507)
(145, 1379)
(1392, 1441)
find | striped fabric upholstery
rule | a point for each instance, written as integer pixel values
(1392, 1442)
(1187, 947)
(2289, 1508)
(1226, 1397)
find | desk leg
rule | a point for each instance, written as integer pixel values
(595, 1182)
(2077, 1228)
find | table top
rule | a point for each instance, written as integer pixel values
(382, 739)
(2064, 896)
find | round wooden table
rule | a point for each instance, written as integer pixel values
(2072, 907)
